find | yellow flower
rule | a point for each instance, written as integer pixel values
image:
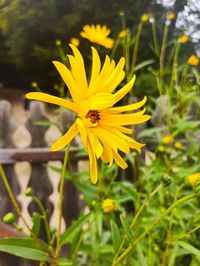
(161, 148)
(168, 139)
(193, 179)
(123, 33)
(171, 15)
(178, 145)
(101, 126)
(97, 34)
(109, 205)
(193, 60)
(144, 17)
(75, 41)
(183, 39)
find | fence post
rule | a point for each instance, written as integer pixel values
(7, 126)
(39, 180)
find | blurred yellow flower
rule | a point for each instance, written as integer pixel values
(171, 15)
(98, 34)
(144, 17)
(102, 127)
(123, 33)
(178, 145)
(109, 205)
(193, 60)
(75, 41)
(58, 42)
(183, 39)
(193, 179)
(161, 148)
(168, 139)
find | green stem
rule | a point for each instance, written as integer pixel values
(135, 49)
(60, 204)
(155, 38)
(162, 56)
(131, 246)
(12, 198)
(44, 216)
(136, 217)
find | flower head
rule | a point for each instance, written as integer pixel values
(102, 127)
(168, 139)
(144, 17)
(109, 205)
(124, 33)
(97, 34)
(193, 60)
(75, 41)
(193, 179)
(183, 39)
(178, 145)
(171, 16)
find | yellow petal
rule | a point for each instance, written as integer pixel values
(124, 129)
(124, 90)
(80, 75)
(129, 107)
(100, 101)
(96, 66)
(65, 139)
(107, 156)
(95, 144)
(93, 165)
(83, 131)
(118, 159)
(47, 98)
(68, 79)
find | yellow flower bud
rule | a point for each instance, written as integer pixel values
(109, 205)
(75, 41)
(183, 39)
(123, 33)
(171, 15)
(145, 17)
(178, 145)
(193, 60)
(161, 148)
(193, 179)
(168, 139)
(58, 42)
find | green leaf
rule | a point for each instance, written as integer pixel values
(64, 262)
(73, 229)
(141, 258)
(143, 64)
(25, 248)
(116, 238)
(189, 248)
(127, 228)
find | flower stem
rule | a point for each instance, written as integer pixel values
(132, 245)
(12, 197)
(155, 38)
(60, 206)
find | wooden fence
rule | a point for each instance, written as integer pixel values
(44, 186)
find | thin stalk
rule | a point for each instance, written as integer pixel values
(157, 221)
(136, 217)
(135, 49)
(60, 204)
(44, 216)
(155, 39)
(174, 76)
(162, 57)
(12, 198)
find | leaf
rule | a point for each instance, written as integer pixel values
(116, 238)
(127, 228)
(189, 248)
(73, 229)
(143, 64)
(23, 247)
(141, 258)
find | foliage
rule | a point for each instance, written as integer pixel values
(155, 218)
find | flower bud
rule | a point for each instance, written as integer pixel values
(193, 60)
(167, 180)
(58, 42)
(9, 218)
(109, 205)
(168, 139)
(144, 17)
(29, 192)
(194, 179)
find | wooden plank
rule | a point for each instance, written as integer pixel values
(36, 155)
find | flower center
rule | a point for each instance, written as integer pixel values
(93, 115)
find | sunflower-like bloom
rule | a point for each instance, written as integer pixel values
(101, 126)
(98, 34)
(193, 60)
